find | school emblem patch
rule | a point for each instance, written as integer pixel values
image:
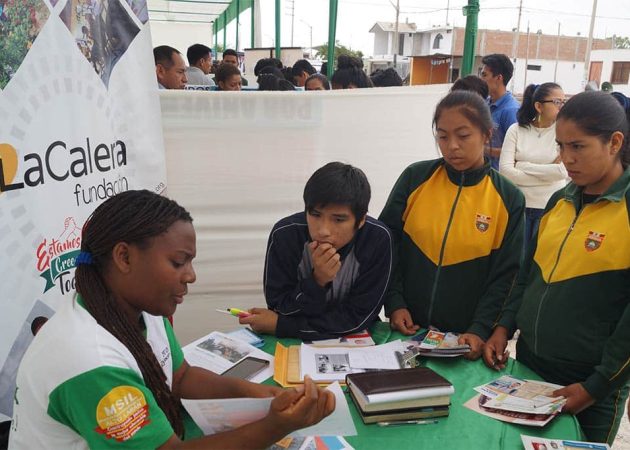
(482, 222)
(121, 413)
(593, 241)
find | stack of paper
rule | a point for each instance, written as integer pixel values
(441, 345)
(514, 400)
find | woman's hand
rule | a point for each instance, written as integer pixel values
(476, 345)
(578, 398)
(401, 321)
(301, 407)
(494, 354)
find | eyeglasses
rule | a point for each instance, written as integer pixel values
(556, 101)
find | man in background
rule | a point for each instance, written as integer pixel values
(231, 57)
(170, 68)
(200, 64)
(497, 72)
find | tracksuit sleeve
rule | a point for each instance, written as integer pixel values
(285, 293)
(614, 370)
(392, 216)
(504, 269)
(513, 301)
(355, 312)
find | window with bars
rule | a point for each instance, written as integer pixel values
(620, 72)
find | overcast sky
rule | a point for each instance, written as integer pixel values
(356, 17)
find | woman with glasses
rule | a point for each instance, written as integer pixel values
(529, 157)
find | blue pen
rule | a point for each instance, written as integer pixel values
(406, 422)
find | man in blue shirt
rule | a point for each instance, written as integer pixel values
(497, 71)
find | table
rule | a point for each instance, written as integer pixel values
(463, 429)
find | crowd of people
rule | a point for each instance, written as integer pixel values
(271, 74)
(523, 223)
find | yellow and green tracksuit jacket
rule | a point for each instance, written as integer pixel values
(458, 237)
(572, 298)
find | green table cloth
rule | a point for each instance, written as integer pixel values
(463, 428)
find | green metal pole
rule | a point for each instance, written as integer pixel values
(470, 41)
(278, 47)
(224, 30)
(238, 11)
(332, 33)
(253, 41)
(214, 31)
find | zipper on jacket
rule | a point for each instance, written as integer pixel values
(439, 266)
(555, 266)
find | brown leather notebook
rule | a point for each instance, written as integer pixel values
(393, 385)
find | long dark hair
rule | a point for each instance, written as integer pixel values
(470, 105)
(599, 114)
(133, 217)
(533, 93)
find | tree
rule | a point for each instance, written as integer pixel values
(340, 49)
(621, 42)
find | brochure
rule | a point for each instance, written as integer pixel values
(527, 396)
(312, 443)
(439, 344)
(477, 404)
(218, 352)
(537, 443)
(361, 339)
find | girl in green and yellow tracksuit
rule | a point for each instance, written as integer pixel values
(572, 298)
(458, 231)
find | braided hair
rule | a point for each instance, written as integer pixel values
(133, 217)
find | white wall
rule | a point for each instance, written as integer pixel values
(181, 35)
(381, 43)
(569, 76)
(239, 160)
(608, 57)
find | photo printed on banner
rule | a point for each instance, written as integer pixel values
(20, 23)
(103, 31)
(140, 9)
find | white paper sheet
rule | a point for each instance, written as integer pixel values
(217, 415)
(218, 352)
(325, 364)
(385, 356)
(339, 423)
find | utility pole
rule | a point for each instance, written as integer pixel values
(526, 58)
(395, 43)
(555, 70)
(310, 52)
(589, 44)
(515, 40)
(448, 3)
(292, 19)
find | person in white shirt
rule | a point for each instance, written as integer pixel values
(200, 62)
(529, 156)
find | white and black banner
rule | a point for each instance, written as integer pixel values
(79, 122)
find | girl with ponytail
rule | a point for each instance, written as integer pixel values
(572, 299)
(529, 157)
(107, 371)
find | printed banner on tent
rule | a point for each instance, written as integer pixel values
(79, 122)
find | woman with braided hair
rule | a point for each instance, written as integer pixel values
(107, 371)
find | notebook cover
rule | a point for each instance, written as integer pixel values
(384, 381)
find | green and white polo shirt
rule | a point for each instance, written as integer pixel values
(79, 387)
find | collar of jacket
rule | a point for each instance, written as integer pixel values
(615, 193)
(470, 177)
